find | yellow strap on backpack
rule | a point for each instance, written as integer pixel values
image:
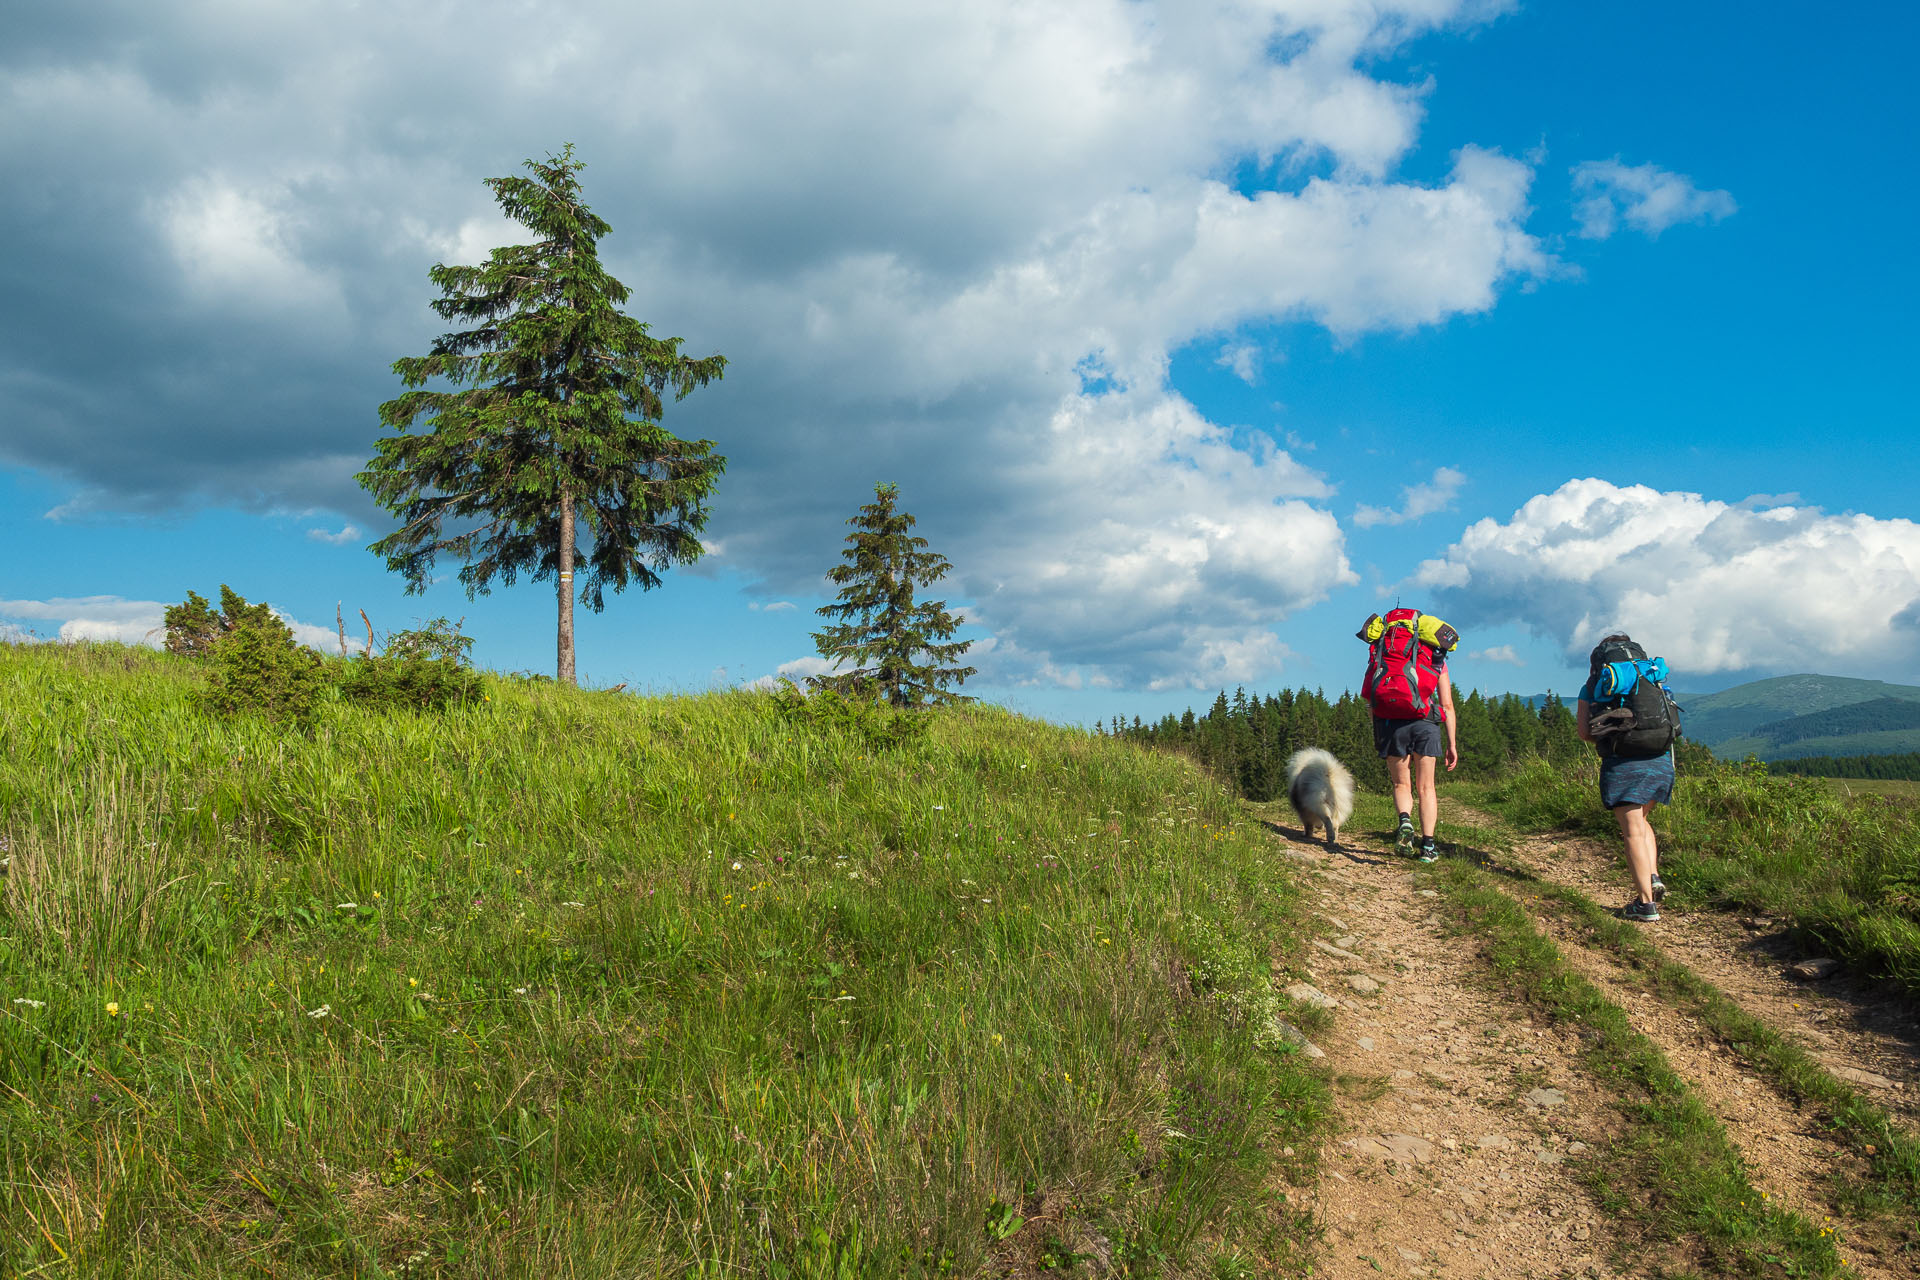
(1431, 630)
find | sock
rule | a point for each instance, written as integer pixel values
(1426, 842)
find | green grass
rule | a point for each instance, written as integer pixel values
(591, 984)
(1843, 868)
(1673, 1168)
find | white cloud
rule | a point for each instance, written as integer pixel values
(347, 534)
(1647, 197)
(1502, 653)
(911, 229)
(1714, 586)
(1243, 358)
(104, 618)
(1417, 500)
(777, 606)
(797, 671)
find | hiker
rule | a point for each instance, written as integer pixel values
(1627, 714)
(1411, 697)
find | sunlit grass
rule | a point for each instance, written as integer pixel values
(615, 985)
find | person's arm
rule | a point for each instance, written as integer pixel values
(1446, 700)
(1581, 710)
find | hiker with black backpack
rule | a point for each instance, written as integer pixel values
(1628, 714)
(1411, 697)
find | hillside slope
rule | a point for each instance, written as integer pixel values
(1753, 717)
(590, 984)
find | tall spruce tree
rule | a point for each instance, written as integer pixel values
(549, 453)
(886, 645)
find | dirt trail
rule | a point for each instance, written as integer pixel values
(1854, 1030)
(1466, 1122)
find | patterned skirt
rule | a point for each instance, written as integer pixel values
(1624, 781)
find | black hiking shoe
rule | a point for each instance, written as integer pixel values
(1429, 851)
(1403, 835)
(1659, 889)
(1643, 912)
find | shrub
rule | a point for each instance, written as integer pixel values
(193, 628)
(424, 670)
(873, 722)
(259, 669)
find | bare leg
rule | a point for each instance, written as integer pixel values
(1642, 847)
(1429, 795)
(1397, 773)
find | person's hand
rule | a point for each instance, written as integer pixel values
(1453, 756)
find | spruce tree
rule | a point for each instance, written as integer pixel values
(885, 644)
(548, 453)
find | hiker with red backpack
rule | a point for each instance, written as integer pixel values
(1411, 696)
(1628, 714)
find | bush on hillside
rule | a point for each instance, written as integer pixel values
(427, 669)
(862, 716)
(260, 669)
(194, 627)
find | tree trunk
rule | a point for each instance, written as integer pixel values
(564, 674)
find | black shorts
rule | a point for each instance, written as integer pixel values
(1408, 738)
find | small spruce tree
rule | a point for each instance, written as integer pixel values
(885, 644)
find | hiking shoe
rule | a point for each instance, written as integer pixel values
(1659, 889)
(1404, 834)
(1429, 852)
(1644, 912)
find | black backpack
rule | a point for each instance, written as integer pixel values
(1643, 723)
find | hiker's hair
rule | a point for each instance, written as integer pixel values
(1593, 659)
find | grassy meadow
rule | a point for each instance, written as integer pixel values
(1840, 863)
(585, 984)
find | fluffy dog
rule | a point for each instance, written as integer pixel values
(1321, 790)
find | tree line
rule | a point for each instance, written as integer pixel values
(1904, 765)
(1246, 739)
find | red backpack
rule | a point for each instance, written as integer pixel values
(1402, 682)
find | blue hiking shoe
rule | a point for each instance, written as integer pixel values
(1404, 834)
(1429, 851)
(1659, 889)
(1643, 912)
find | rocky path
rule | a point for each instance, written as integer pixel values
(1466, 1123)
(1464, 1120)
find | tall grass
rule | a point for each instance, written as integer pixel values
(1844, 868)
(604, 985)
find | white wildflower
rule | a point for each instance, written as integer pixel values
(321, 1012)
(345, 906)
(31, 1004)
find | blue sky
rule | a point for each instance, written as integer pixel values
(1550, 318)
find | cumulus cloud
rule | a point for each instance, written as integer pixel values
(1243, 358)
(114, 618)
(1715, 586)
(1502, 653)
(956, 245)
(1417, 500)
(777, 606)
(1647, 197)
(797, 671)
(347, 534)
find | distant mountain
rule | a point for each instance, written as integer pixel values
(1806, 715)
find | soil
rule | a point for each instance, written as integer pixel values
(1467, 1122)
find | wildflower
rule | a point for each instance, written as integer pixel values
(147, 1007)
(113, 1008)
(345, 906)
(736, 866)
(321, 1012)
(31, 1004)
(413, 982)
(573, 904)
(997, 1037)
